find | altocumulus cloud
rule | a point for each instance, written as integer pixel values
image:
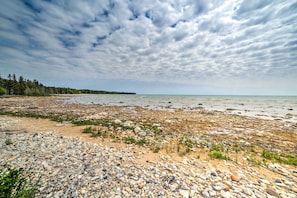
(206, 46)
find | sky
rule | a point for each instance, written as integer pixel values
(203, 47)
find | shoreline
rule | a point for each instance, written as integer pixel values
(251, 106)
(171, 131)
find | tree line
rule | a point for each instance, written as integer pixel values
(14, 85)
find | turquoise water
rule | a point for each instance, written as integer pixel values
(267, 107)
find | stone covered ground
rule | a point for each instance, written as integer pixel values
(102, 151)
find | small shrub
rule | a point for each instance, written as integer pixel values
(88, 130)
(150, 127)
(282, 158)
(254, 161)
(155, 148)
(289, 159)
(219, 155)
(141, 142)
(14, 184)
(185, 145)
(132, 140)
(100, 133)
(129, 140)
(217, 147)
(268, 155)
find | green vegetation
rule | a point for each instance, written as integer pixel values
(254, 161)
(88, 130)
(236, 147)
(15, 184)
(280, 157)
(132, 140)
(22, 86)
(148, 126)
(218, 155)
(217, 147)
(185, 145)
(84, 122)
(36, 115)
(155, 148)
(96, 132)
(2, 91)
(104, 123)
(100, 133)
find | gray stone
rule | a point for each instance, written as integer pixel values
(142, 133)
(218, 186)
(117, 121)
(45, 165)
(137, 129)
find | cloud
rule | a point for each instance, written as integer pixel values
(184, 41)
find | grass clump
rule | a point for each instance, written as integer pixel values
(96, 132)
(150, 127)
(185, 145)
(254, 161)
(218, 155)
(14, 184)
(132, 140)
(100, 133)
(280, 157)
(88, 130)
(83, 122)
(141, 142)
(217, 147)
(155, 148)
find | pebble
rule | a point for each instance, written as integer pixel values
(272, 192)
(225, 194)
(70, 167)
(142, 133)
(235, 178)
(218, 186)
(137, 129)
(184, 193)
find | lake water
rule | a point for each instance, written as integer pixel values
(267, 107)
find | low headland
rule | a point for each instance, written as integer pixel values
(76, 150)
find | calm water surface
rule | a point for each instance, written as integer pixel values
(268, 107)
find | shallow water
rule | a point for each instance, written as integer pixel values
(267, 107)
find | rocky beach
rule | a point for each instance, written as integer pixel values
(77, 150)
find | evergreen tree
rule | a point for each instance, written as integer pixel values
(9, 85)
